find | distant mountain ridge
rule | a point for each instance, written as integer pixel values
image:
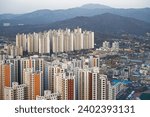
(95, 6)
(7, 16)
(49, 16)
(106, 23)
(109, 24)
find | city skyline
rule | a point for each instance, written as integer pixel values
(94, 50)
(37, 78)
(24, 6)
(29, 70)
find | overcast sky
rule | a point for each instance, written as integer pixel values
(23, 6)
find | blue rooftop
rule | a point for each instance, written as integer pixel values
(125, 82)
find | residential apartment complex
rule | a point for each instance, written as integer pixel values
(55, 41)
(59, 76)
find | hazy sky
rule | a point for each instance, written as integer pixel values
(23, 6)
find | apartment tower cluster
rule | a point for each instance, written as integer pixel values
(55, 41)
(36, 78)
(58, 77)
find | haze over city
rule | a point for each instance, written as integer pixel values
(24, 6)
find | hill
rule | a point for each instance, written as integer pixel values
(107, 23)
(46, 16)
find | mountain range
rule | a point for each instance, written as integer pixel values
(101, 19)
(106, 24)
(46, 16)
